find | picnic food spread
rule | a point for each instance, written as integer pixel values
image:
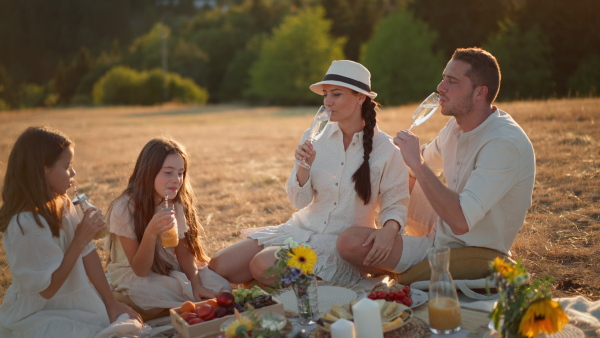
(224, 304)
(393, 314)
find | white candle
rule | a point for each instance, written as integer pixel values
(343, 328)
(367, 319)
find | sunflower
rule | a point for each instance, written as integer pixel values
(506, 269)
(302, 258)
(241, 327)
(543, 316)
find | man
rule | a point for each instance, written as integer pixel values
(489, 165)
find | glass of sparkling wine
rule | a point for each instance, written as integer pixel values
(318, 124)
(425, 109)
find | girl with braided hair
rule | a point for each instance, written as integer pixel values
(356, 175)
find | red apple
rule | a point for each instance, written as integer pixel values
(204, 311)
(220, 312)
(225, 298)
(189, 316)
(195, 321)
(210, 316)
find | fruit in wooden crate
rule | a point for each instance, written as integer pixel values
(225, 298)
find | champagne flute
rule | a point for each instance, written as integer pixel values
(318, 124)
(425, 109)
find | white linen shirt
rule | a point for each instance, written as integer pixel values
(328, 202)
(492, 168)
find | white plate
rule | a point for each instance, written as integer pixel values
(399, 309)
(419, 297)
(327, 296)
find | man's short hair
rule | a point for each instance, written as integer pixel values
(484, 71)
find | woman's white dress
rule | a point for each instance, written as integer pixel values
(329, 204)
(154, 290)
(33, 255)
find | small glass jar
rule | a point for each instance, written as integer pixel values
(170, 238)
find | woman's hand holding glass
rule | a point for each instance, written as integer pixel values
(305, 151)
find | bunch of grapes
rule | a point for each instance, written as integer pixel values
(256, 297)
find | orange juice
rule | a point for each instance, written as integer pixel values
(170, 238)
(444, 314)
(102, 233)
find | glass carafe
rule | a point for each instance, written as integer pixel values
(444, 308)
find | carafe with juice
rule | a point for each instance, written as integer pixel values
(169, 238)
(444, 308)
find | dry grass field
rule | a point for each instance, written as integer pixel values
(242, 156)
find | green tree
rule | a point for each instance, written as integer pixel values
(571, 29)
(145, 52)
(236, 81)
(223, 34)
(462, 23)
(298, 54)
(8, 92)
(586, 79)
(524, 62)
(32, 95)
(355, 20)
(403, 67)
(67, 79)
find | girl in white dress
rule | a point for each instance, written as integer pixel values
(356, 175)
(152, 276)
(49, 250)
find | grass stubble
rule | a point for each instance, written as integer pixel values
(241, 158)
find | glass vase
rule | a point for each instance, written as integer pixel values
(305, 289)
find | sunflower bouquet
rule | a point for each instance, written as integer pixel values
(523, 309)
(294, 265)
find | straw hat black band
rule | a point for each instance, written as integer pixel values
(347, 74)
(335, 77)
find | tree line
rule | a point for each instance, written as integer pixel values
(85, 52)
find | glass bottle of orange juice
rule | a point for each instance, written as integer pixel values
(83, 203)
(444, 308)
(169, 238)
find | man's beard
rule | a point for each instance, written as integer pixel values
(462, 108)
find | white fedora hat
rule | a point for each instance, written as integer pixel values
(347, 74)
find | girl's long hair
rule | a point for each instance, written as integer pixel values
(140, 190)
(25, 187)
(362, 176)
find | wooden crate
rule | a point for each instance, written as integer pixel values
(211, 326)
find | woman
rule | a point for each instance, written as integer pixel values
(356, 174)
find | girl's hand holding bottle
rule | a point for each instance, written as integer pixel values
(91, 224)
